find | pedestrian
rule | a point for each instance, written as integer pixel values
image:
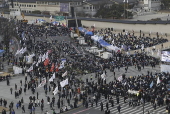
(101, 105)
(11, 90)
(118, 108)
(23, 109)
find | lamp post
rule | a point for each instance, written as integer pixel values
(127, 9)
(124, 8)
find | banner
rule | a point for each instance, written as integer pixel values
(17, 70)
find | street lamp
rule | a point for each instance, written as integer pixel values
(124, 8)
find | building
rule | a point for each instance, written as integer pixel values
(149, 5)
(87, 8)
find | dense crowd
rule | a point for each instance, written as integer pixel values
(77, 63)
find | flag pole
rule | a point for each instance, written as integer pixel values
(127, 8)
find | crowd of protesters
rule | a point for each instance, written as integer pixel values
(127, 40)
(86, 91)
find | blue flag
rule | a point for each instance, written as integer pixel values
(151, 84)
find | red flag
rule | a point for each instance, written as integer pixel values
(57, 68)
(46, 62)
(52, 68)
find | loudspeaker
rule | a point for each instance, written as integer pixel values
(72, 12)
(72, 23)
(123, 30)
(12, 4)
(111, 29)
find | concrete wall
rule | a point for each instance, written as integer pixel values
(146, 28)
(161, 28)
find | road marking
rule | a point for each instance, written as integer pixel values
(82, 111)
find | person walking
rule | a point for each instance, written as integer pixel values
(23, 109)
(118, 108)
(11, 90)
(101, 105)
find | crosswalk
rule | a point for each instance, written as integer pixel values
(125, 109)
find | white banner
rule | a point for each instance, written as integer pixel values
(17, 70)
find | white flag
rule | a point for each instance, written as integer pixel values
(51, 17)
(127, 1)
(103, 76)
(44, 57)
(123, 0)
(61, 65)
(64, 74)
(30, 69)
(42, 83)
(52, 78)
(120, 78)
(64, 82)
(158, 80)
(55, 91)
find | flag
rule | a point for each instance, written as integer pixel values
(46, 55)
(51, 18)
(52, 68)
(43, 57)
(30, 69)
(64, 74)
(55, 91)
(123, 0)
(64, 82)
(46, 62)
(151, 84)
(127, 1)
(52, 78)
(120, 78)
(158, 80)
(61, 65)
(42, 83)
(103, 76)
(57, 68)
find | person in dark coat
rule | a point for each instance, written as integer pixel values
(101, 105)
(118, 108)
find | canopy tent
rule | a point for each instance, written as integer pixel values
(1, 52)
(111, 47)
(81, 29)
(96, 38)
(89, 33)
(55, 23)
(40, 20)
(103, 43)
